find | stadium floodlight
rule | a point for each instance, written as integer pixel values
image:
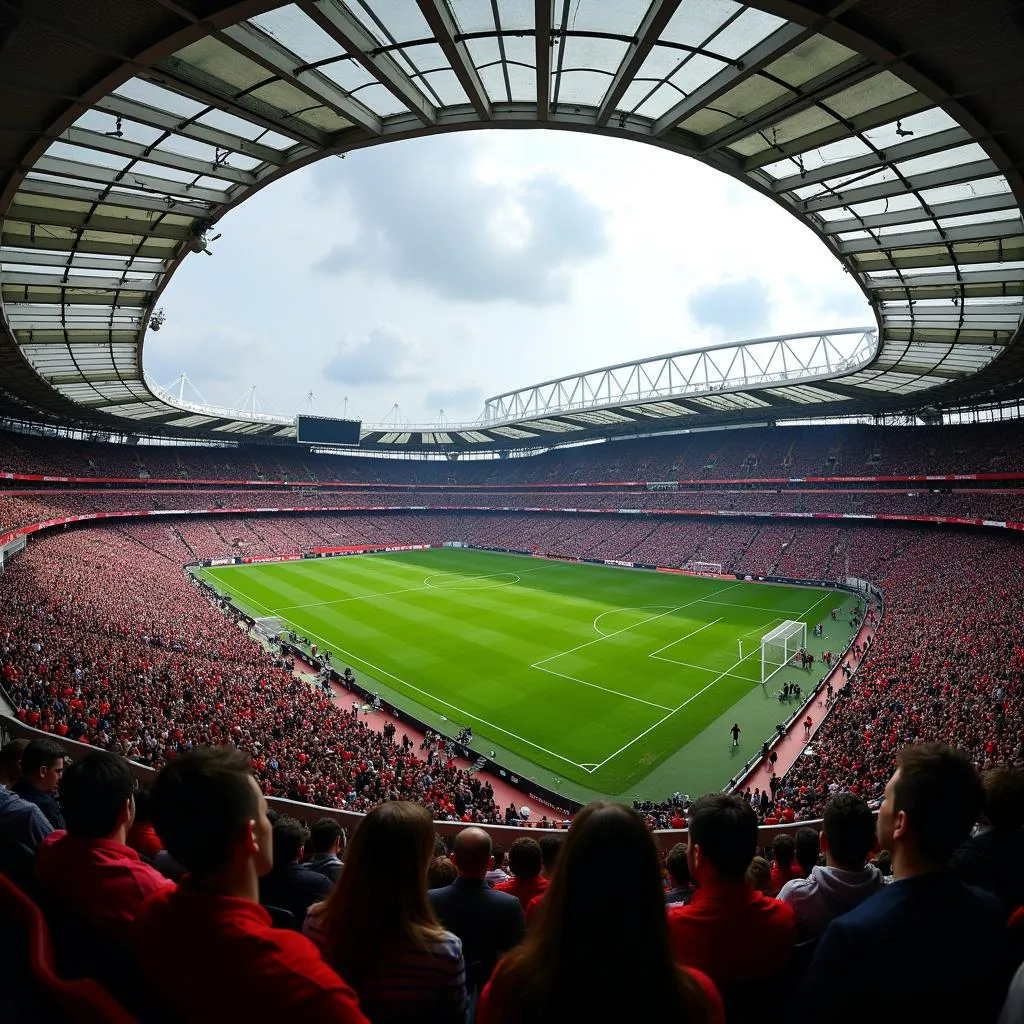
(704, 568)
(780, 647)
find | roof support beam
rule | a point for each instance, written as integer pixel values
(779, 42)
(97, 141)
(270, 54)
(79, 244)
(913, 103)
(346, 30)
(183, 78)
(442, 24)
(920, 146)
(542, 19)
(86, 222)
(110, 176)
(962, 208)
(658, 15)
(828, 83)
(914, 239)
(48, 259)
(964, 277)
(100, 284)
(142, 113)
(954, 175)
(111, 197)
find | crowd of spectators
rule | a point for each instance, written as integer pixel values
(239, 911)
(758, 453)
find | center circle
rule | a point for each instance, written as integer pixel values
(457, 581)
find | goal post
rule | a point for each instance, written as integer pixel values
(780, 647)
(704, 568)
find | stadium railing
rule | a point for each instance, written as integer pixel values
(13, 728)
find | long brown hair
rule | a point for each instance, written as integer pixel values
(599, 947)
(380, 900)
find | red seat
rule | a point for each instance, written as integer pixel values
(83, 1001)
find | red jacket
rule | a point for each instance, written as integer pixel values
(780, 876)
(732, 933)
(216, 958)
(99, 880)
(524, 891)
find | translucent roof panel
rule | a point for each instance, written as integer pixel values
(918, 207)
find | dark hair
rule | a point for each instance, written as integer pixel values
(849, 830)
(808, 848)
(550, 977)
(759, 875)
(941, 794)
(498, 853)
(93, 793)
(324, 834)
(724, 826)
(289, 837)
(1004, 798)
(10, 759)
(380, 900)
(142, 815)
(549, 847)
(524, 859)
(39, 754)
(783, 850)
(200, 803)
(441, 872)
(678, 866)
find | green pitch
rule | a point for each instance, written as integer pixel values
(591, 679)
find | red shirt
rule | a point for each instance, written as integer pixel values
(780, 876)
(525, 891)
(216, 958)
(99, 880)
(732, 933)
(144, 839)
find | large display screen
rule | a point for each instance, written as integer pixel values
(326, 430)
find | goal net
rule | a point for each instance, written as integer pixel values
(780, 647)
(704, 567)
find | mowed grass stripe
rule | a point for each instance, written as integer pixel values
(463, 643)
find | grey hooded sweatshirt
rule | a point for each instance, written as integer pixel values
(826, 894)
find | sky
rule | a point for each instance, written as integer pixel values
(408, 282)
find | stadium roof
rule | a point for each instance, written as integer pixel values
(895, 131)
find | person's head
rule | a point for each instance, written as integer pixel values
(441, 872)
(97, 797)
(1004, 798)
(42, 764)
(783, 850)
(723, 838)
(288, 838)
(10, 761)
(678, 866)
(471, 853)
(142, 815)
(380, 900)
(525, 859)
(549, 847)
(759, 875)
(807, 849)
(326, 837)
(848, 834)
(570, 944)
(211, 816)
(929, 808)
(498, 853)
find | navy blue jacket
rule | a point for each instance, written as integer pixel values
(923, 948)
(489, 923)
(293, 888)
(46, 802)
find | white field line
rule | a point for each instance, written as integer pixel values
(703, 668)
(595, 686)
(355, 659)
(625, 629)
(672, 643)
(664, 719)
(624, 608)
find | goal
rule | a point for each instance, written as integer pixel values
(702, 568)
(780, 647)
